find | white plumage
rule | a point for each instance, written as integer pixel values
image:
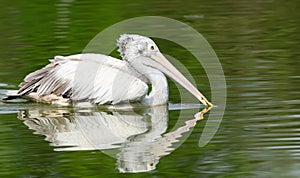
(101, 79)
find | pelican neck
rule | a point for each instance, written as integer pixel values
(158, 81)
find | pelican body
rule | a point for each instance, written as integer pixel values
(101, 79)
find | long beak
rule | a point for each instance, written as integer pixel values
(172, 72)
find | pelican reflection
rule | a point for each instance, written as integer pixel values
(139, 136)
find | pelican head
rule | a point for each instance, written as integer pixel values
(143, 54)
(131, 46)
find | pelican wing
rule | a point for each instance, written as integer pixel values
(96, 78)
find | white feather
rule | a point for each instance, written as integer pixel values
(97, 78)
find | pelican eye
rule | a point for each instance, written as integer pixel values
(152, 47)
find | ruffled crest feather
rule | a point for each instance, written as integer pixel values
(127, 42)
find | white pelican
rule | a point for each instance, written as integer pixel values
(101, 79)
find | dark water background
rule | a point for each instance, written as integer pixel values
(257, 43)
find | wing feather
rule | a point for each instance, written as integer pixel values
(97, 78)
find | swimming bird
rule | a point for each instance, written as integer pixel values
(101, 79)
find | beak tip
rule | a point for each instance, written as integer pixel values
(206, 103)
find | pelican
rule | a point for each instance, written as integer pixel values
(104, 80)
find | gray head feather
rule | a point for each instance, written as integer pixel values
(131, 44)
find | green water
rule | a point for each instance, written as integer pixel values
(257, 43)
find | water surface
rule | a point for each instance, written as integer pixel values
(257, 43)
